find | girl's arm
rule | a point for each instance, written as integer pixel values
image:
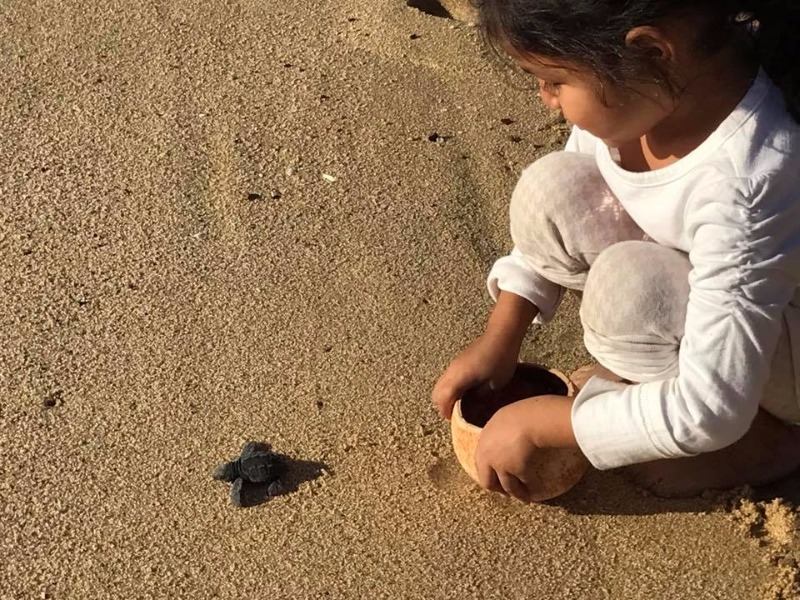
(510, 319)
(745, 256)
(513, 274)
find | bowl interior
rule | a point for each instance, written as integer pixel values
(478, 406)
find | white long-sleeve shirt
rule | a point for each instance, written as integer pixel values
(733, 204)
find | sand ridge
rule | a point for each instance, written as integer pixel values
(178, 277)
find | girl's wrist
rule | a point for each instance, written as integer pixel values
(550, 422)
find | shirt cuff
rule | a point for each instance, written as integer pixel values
(617, 424)
(513, 274)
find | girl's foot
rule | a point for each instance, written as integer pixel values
(584, 374)
(769, 451)
(766, 453)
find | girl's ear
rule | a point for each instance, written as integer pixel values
(653, 43)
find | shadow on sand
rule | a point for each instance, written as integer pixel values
(610, 494)
(297, 473)
(431, 7)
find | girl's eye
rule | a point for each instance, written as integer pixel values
(550, 88)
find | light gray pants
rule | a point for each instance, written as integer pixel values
(573, 231)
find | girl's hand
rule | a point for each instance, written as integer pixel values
(508, 445)
(489, 363)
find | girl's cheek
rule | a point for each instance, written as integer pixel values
(576, 110)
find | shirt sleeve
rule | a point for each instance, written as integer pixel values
(745, 257)
(513, 274)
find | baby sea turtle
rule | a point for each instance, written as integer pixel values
(257, 464)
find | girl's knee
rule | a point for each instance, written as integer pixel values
(638, 282)
(563, 214)
(557, 184)
(634, 308)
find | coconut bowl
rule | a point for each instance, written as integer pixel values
(557, 469)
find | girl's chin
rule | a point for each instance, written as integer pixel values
(611, 142)
(602, 136)
(617, 143)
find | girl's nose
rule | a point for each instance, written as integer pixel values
(550, 100)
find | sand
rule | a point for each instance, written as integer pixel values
(225, 220)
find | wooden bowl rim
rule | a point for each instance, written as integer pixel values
(463, 423)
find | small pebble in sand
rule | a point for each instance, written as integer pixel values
(253, 197)
(53, 399)
(329, 178)
(436, 138)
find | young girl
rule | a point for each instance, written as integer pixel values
(675, 211)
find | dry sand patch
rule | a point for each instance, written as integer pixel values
(178, 276)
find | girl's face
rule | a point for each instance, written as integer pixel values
(625, 116)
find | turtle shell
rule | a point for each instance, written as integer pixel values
(260, 466)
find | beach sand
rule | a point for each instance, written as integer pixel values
(233, 220)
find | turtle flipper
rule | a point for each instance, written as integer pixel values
(237, 493)
(226, 472)
(275, 488)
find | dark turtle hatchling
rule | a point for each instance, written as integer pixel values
(256, 464)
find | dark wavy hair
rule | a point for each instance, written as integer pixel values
(592, 33)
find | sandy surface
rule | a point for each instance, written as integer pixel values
(178, 275)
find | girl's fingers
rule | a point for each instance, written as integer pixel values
(443, 398)
(487, 478)
(447, 392)
(514, 487)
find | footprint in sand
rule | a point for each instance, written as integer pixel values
(446, 474)
(773, 525)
